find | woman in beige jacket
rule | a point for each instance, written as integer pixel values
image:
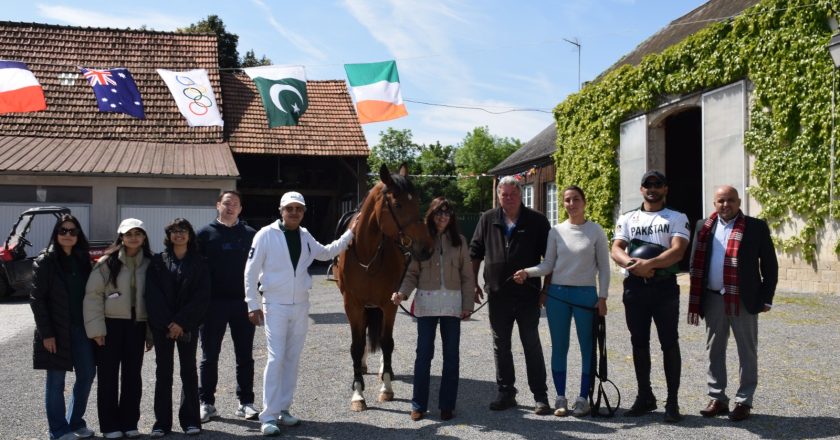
(444, 287)
(115, 317)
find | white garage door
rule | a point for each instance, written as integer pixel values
(42, 225)
(157, 217)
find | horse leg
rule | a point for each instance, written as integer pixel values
(357, 348)
(386, 373)
(364, 365)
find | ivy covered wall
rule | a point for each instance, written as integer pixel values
(779, 46)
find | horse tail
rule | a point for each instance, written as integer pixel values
(375, 316)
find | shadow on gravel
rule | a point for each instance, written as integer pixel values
(328, 318)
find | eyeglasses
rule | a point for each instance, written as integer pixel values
(68, 231)
(653, 184)
(178, 231)
(443, 214)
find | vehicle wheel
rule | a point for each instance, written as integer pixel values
(5, 290)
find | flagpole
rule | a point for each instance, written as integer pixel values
(576, 43)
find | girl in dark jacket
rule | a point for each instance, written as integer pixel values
(177, 295)
(58, 288)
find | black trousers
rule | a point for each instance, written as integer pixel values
(220, 314)
(120, 386)
(188, 414)
(656, 301)
(524, 311)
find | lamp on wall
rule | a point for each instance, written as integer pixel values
(833, 49)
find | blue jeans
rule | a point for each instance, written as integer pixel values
(450, 335)
(221, 314)
(560, 309)
(61, 422)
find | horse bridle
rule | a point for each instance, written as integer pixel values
(404, 240)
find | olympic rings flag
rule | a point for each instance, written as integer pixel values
(194, 96)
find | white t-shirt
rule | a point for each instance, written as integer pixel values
(657, 227)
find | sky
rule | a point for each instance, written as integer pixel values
(494, 55)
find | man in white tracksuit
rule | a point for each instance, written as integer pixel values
(279, 261)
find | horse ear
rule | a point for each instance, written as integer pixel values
(385, 176)
(403, 169)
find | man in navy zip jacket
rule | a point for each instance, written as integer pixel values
(507, 239)
(225, 243)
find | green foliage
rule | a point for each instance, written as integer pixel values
(251, 60)
(779, 45)
(435, 161)
(228, 53)
(394, 148)
(480, 152)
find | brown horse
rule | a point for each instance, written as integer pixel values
(389, 229)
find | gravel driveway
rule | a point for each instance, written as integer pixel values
(797, 397)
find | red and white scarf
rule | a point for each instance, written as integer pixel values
(731, 299)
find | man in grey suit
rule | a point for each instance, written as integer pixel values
(733, 278)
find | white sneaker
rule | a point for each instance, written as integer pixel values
(157, 433)
(113, 434)
(84, 432)
(270, 429)
(206, 412)
(562, 406)
(247, 411)
(192, 430)
(581, 407)
(68, 436)
(133, 434)
(287, 419)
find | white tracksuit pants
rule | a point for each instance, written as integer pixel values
(285, 333)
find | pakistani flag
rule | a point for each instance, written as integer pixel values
(283, 92)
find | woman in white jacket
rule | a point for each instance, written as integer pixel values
(279, 261)
(115, 317)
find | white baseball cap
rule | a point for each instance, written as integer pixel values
(292, 197)
(131, 223)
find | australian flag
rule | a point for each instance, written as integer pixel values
(115, 91)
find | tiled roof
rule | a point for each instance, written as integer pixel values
(679, 29)
(110, 157)
(50, 50)
(538, 149)
(329, 127)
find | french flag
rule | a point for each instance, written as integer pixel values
(19, 89)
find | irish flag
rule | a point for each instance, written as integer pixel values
(19, 90)
(376, 87)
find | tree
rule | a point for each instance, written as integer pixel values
(394, 148)
(228, 43)
(250, 60)
(228, 53)
(438, 160)
(480, 152)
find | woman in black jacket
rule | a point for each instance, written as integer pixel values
(58, 288)
(177, 295)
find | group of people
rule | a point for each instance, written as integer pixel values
(733, 275)
(97, 319)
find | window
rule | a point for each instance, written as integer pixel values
(45, 194)
(528, 195)
(551, 202)
(167, 196)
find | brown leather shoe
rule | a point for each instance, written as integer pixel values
(715, 408)
(741, 412)
(446, 414)
(416, 415)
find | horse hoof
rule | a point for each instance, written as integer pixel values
(358, 405)
(386, 396)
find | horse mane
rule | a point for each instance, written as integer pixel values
(401, 184)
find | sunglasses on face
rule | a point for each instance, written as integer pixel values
(294, 209)
(657, 184)
(68, 231)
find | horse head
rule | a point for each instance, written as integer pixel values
(398, 213)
